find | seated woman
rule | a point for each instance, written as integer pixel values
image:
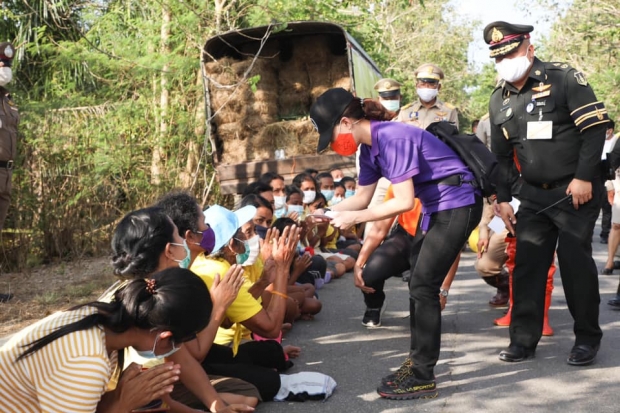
(146, 241)
(255, 362)
(65, 362)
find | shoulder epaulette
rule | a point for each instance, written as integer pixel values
(449, 105)
(557, 66)
(407, 106)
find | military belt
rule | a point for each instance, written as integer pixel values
(6, 164)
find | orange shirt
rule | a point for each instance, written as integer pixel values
(408, 220)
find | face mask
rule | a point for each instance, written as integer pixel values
(279, 202)
(513, 69)
(184, 263)
(261, 231)
(279, 213)
(426, 94)
(254, 247)
(6, 75)
(344, 144)
(392, 105)
(309, 197)
(328, 194)
(349, 193)
(150, 354)
(208, 240)
(296, 208)
(337, 200)
(243, 257)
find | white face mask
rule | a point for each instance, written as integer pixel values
(392, 105)
(254, 245)
(336, 200)
(6, 75)
(513, 69)
(309, 197)
(279, 201)
(426, 94)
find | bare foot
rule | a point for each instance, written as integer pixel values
(292, 351)
(286, 327)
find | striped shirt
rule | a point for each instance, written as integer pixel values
(68, 375)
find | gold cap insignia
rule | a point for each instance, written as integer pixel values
(386, 84)
(496, 35)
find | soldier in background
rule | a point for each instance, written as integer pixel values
(483, 131)
(9, 118)
(428, 108)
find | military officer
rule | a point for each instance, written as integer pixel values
(389, 93)
(9, 118)
(547, 117)
(428, 109)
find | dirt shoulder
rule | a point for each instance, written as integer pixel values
(50, 288)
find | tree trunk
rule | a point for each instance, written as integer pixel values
(158, 151)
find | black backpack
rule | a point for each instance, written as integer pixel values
(478, 158)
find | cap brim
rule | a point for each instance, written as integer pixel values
(390, 93)
(245, 214)
(324, 139)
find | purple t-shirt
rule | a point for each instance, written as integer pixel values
(400, 152)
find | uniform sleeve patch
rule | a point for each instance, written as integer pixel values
(581, 78)
(589, 115)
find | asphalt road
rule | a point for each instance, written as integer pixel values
(470, 377)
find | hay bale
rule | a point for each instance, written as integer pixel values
(233, 131)
(235, 151)
(314, 48)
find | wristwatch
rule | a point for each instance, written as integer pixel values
(443, 293)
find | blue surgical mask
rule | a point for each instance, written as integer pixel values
(261, 231)
(184, 263)
(337, 200)
(150, 354)
(349, 193)
(296, 208)
(392, 105)
(280, 212)
(328, 194)
(243, 257)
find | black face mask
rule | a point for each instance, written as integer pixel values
(261, 231)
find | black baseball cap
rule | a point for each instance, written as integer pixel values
(327, 111)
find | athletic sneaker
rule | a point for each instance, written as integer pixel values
(372, 316)
(403, 371)
(408, 387)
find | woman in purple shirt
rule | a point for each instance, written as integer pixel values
(418, 165)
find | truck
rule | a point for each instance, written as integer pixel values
(259, 85)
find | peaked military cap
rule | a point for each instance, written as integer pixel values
(504, 38)
(429, 73)
(388, 88)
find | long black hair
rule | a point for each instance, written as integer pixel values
(139, 240)
(174, 300)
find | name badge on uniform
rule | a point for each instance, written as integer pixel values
(540, 130)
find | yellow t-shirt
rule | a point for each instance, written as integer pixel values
(244, 307)
(68, 375)
(331, 245)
